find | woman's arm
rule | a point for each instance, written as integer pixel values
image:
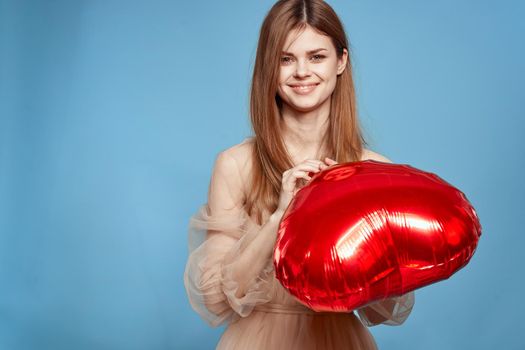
(226, 197)
(254, 253)
(229, 269)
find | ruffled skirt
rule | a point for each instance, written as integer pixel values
(274, 326)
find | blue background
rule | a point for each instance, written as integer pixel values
(112, 113)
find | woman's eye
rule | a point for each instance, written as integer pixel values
(287, 59)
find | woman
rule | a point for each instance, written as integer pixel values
(304, 117)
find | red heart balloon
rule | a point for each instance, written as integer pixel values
(364, 231)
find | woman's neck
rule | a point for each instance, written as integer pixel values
(303, 131)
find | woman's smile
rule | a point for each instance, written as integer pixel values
(303, 89)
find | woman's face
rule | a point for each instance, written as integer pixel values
(308, 69)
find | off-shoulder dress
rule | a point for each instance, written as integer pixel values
(267, 316)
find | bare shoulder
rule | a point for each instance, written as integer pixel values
(241, 153)
(236, 161)
(369, 154)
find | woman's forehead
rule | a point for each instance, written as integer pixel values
(305, 40)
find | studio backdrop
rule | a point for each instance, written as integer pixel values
(112, 114)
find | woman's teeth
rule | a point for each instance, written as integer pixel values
(304, 89)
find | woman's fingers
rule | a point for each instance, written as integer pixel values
(330, 161)
(302, 174)
(294, 173)
(322, 165)
(290, 179)
(307, 166)
(305, 170)
(313, 165)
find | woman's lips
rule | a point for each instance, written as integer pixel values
(304, 89)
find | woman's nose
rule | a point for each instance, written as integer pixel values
(302, 69)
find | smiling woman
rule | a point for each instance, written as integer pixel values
(304, 116)
(306, 72)
(304, 87)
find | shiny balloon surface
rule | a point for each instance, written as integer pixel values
(364, 231)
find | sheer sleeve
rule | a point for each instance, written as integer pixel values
(392, 311)
(215, 236)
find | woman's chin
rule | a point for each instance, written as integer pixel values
(305, 107)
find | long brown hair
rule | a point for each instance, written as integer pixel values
(343, 140)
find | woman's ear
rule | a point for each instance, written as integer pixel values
(341, 62)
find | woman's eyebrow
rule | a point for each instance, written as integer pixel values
(309, 52)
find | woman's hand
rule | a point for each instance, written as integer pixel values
(330, 161)
(290, 186)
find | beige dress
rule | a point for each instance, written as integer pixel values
(268, 317)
